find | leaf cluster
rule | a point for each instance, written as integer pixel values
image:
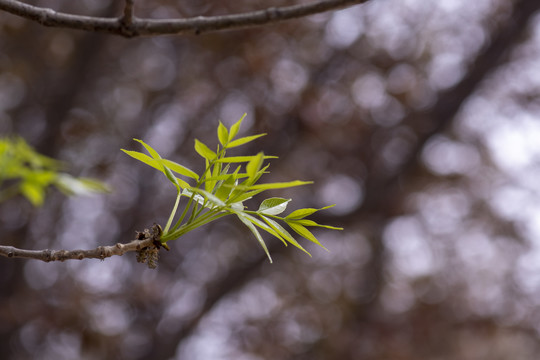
(222, 188)
(26, 172)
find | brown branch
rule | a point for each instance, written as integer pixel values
(101, 252)
(130, 26)
(146, 245)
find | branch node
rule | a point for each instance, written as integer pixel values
(61, 255)
(150, 254)
(101, 251)
(48, 255)
(127, 26)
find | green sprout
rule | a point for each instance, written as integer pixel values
(222, 188)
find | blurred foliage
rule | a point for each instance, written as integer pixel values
(418, 119)
(30, 174)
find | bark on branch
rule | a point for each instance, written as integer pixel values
(128, 25)
(146, 245)
(101, 252)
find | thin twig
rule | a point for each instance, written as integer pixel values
(147, 27)
(101, 252)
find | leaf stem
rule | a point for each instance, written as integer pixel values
(184, 213)
(173, 212)
(202, 220)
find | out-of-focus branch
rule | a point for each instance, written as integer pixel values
(439, 118)
(129, 26)
(101, 252)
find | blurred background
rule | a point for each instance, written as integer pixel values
(419, 119)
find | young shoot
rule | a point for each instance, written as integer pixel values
(222, 187)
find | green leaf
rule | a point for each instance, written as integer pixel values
(237, 159)
(264, 226)
(79, 186)
(225, 189)
(218, 169)
(243, 140)
(253, 166)
(35, 183)
(302, 231)
(284, 233)
(223, 134)
(171, 177)
(198, 198)
(207, 170)
(34, 172)
(160, 165)
(180, 169)
(182, 183)
(204, 151)
(209, 196)
(144, 158)
(276, 185)
(258, 175)
(305, 222)
(219, 178)
(255, 232)
(150, 150)
(215, 174)
(273, 206)
(33, 192)
(235, 127)
(40, 177)
(225, 176)
(244, 175)
(242, 195)
(237, 206)
(302, 213)
(92, 185)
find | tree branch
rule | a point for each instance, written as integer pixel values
(101, 252)
(146, 245)
(129, 26)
